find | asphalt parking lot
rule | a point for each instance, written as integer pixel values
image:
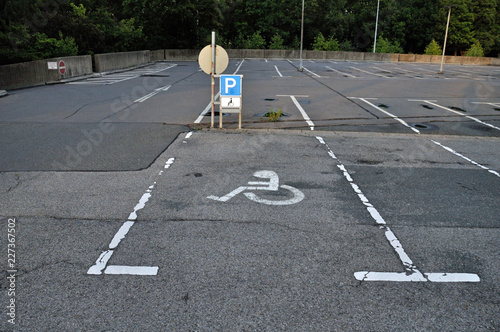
(371, 205)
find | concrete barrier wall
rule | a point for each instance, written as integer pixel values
(179, 55)
(112, 61)
(37, 72)
(192, 55)
(158, 55)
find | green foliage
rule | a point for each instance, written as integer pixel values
(385, 46)
(433, 48)
(321, 44)
(276, 42)
(475, 50)
(78, 10)
(44, 47)
(255, 41)
(30, 29)
(274, 115)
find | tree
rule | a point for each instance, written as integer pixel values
(321, 44)
(385, 46)
(433, 48)
(475, 50)
(256, 41)
(276, 42)
(460, 33)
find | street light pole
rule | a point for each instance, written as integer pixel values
(445, 37)
(301, 37)
(376, 25)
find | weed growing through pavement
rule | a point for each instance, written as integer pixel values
(274, 115)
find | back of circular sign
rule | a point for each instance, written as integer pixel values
(221, 59)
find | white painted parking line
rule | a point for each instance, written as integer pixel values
(208, 108)
(367, 72)
(406, 72)
(485, 103)
(278, 71)
(412, 273)
(383, 70)
(146, 97)
(388, 113)
(303, 112)
(108, 79)
(456, 112)
(100, 265)
(239, 66)
(466, 158)
(132, 270)
(338, 71)
(310, 72)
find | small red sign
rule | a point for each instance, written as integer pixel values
(62, 67)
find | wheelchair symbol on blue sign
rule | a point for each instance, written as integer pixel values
(230, 85)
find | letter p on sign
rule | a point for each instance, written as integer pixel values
(230, 85)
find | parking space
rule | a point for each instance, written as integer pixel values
(373, 202)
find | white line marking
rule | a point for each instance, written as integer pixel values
(464, 157)
(140, 100)
(412, 274)
(278, 71)
(311, 72)
(452, 277)
(484, 103)
(205, 111)
(237, 69)
(459, 113)
(142, 203)
(342, 73)
(103, 259)
(298, 96)
(427, 70)
(384, 70)
(304, 114)
(132, 270)
(389, 114)
(100, 263)
(120, 235)
(367, 72)
(146, 97)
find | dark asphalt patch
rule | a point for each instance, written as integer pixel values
(102, 146)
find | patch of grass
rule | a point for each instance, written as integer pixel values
(273, 115)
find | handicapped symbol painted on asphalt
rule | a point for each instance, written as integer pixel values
(271, 185)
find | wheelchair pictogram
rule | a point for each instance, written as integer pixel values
(271, 185)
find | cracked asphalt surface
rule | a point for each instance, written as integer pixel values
(74, 181)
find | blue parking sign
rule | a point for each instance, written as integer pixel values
(230, 85)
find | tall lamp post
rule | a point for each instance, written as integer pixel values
(376, 25)
(446, 36)
(301, 37)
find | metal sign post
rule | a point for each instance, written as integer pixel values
(213, 80)
(213, 60)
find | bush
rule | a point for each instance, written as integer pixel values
(385, 46)
(433, 48)
(44, 47)
(321, 44)
(276, 43)
(475, 50)
(256, 41)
